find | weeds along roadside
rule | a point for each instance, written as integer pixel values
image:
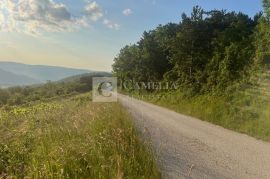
(72, 138)
(242, 110)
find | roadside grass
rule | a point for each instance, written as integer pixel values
(246, 111)
(72, 138)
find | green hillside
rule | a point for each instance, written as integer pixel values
(23, 74)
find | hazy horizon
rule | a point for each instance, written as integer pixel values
(48, 65)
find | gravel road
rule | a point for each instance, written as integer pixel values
(189, 148)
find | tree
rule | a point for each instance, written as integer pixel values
(262, 36)
(266, 7)
(205, 51)
(191, 49)
(233, 50)
(4, 96)
(126, 63)
(149, 59)
(155, 52)
(262, 43)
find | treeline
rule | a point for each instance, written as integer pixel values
(206, 51)
(69, 86)
(20, 95)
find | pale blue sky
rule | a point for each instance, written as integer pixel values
(89, 38)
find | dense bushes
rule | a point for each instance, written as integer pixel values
(21, 95)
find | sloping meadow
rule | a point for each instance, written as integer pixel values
(72, 138)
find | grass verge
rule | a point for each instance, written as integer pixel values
(246, 111)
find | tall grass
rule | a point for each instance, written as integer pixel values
(243, 110)
(72, 138)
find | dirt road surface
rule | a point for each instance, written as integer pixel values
(189, 148)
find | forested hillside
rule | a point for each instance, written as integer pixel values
(220, 61)
(36, 74)
(46, 92)
(207, 51)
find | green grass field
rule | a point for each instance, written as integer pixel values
(72, 138)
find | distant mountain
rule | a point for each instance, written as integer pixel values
(91, 74)
(8, 79)
(41, 72)
(13, 74)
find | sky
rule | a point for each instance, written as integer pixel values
(89, 34)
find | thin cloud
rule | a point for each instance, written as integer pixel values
(111, 25)
(93, 11)
(34, 16)
(127, 12)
